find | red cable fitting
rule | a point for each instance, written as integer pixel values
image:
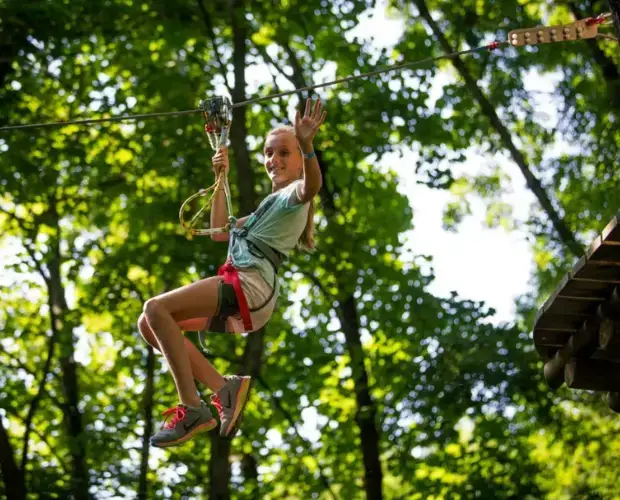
(493, 45)
(595, 20)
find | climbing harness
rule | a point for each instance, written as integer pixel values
(217, 113)
(231, 298)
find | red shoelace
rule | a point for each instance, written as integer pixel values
(179, 414)
(217, 403)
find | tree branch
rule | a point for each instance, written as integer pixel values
(207, 21)
(298, 72)
(607, 65)
(614, 5)
(266, 57)
(566, 235)
(317, 282)
(147, 407)
(280, 406)
(37, 398)
(43, 438)
(31, 232)
(22, 366)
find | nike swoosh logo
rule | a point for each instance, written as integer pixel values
(191, 425)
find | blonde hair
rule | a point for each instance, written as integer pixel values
(306, 240)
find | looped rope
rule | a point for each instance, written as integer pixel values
(217, 114)
(189, 225)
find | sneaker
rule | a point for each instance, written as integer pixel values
(230, 402)
(185, 424)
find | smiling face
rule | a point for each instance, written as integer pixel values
(283, 160)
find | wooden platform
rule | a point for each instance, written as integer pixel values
(577, 330)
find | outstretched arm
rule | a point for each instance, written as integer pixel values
(305, 130)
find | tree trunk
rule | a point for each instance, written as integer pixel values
(249, 470)
(219, 468)
(614, 5)
(14, 484)
(147, 405)
(565, 234)
(12, 39)
(62, 329)
(366, 409)
(253, 351)
(347, 312)
(366, 416)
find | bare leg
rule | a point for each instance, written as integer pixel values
(202, 369)
(163, 313)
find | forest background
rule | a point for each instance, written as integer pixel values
(400, 362)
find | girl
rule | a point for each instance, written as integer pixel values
(242, 297)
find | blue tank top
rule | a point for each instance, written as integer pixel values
(278, 222)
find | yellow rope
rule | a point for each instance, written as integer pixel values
(219, 181)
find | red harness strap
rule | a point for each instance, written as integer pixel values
(231, 276)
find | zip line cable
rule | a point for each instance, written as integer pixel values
(578, 30)
(269, 97)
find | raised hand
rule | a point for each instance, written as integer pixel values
(307, 127)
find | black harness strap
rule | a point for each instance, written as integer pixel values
(229, 305)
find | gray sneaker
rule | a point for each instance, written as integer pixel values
(185, 424)
(230, 402)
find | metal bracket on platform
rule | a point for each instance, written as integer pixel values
(579, 30)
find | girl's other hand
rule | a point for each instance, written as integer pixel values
(220, 161)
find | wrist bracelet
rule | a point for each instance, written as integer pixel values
(309, 155)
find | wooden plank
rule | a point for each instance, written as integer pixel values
(598, 271)
(574, 306)
(609, 334)
(541, 312)
(551, 338)
(579, 293)
(583, 288)
(547, 352)
(550, 300)
(561, 322)
(612, 230)
(611, 308)
(591, 374)
(610, 354)
(584, 343)
(606, 252)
